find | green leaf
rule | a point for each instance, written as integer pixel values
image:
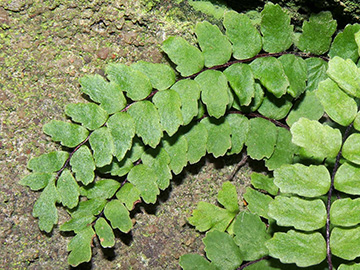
(346, 74)
(89, 207)
(316, 72)
(189, 92)
(271, 74)
(45, 208)
(36, 180)
(158, 160)
(300, 248)
(144, 179)
(109, 95)
(251, 235)
(105, 233)
(90, 115)
(189, 59)
(319, 140)
(246, 40)
(118, 216)
(301, 214)
(192, 261)
(196, 138)
(80, 247)
(241, 81)
(122, 130)
(228, 197)
(128, 194)
(218, 140)
(276, 29)
(307, 106)
(176, 147)
(68, 134)
(300, 179)
(345, 212)
(214, 45)
(48, 163)
(352, 266)
(102, 144)
(263, 138)
(207, 216)
(79, 221)
(357, 40)
(284, 150)
(221, 249)
(161, 76)
(68, 189)
(105, 188)
(341, 108)
(317, 32)
(295, 69)
(214, 92)
(239, 125)
(258, 98)
(168, 104)
(357, 122)
(344, 44)
(347, 179)
(275, 108)
(135, 83)
(257, 202)
(147, 121)
(83, 165)
(351, 148)
(345, 243)
(260, 181)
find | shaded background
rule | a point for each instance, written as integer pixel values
(45, 47)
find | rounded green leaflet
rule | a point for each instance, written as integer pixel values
(347, 179)
(296, 71)
(218, 140)
(299, 179)
(90, 115)
(316, 71)
(147, 122)
(263, 182)
(128, 194)
(68, 134)
(301, 214)
(118, 216)
(83, 165)
(351, 148)
(317, 32)
(352, 266)
(48, 163)
(245, 39)
(344, 44)
(189, 92)
(221, 249)
(276, 29)
(341, 108)
(122, 130)
(135, 83)
(357, 122)
(214, 45)
(346, 74)
(78, 222)
(193, 261)
(214, 92)
(189, 59)
(104, 189)
(241, 81)
(257, 202)
(161, 76)
(317, 139)
(37, 180)
(345, 212)
(177, 148)
(345, 242)
(168, 104)
(80, 246)
(68, 189)
(105, 233)
(271, 74)
(239, 125)
(263, 138)
(275, 108)
(108, 94)
(102, 144)
(296, 247)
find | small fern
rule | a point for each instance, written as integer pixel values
(275, 92)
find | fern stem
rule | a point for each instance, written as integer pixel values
(336, 167)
